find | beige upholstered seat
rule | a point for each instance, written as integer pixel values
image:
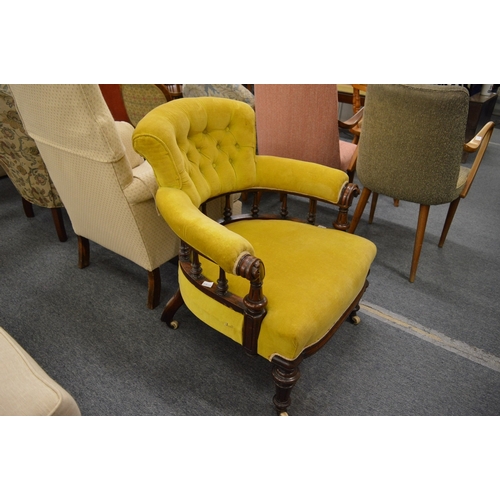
(108, 189)
(25, 388)
(301, 122)
(22, 162)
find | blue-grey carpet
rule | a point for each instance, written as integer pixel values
(427, 348)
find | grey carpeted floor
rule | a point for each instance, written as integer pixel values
(427, 348)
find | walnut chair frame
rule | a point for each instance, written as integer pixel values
(197, 145)
(253, 305)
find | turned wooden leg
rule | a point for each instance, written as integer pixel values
(373, 207)
(83, 252)
(449, 219)
(419, 239)
(28, 208)
(59, 223)
(154, 288)
(365, 194)
(171, 308)
(285, 378)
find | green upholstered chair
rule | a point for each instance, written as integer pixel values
(21, 161)
(314, 277)
(411, 148)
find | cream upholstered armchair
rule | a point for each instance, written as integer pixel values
(301, 122)
(411, 148)
(278, 286)
(107, 188)
(22, 162)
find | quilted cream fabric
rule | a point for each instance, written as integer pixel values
(90, 160)
(25, 389)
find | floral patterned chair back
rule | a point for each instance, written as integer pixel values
(234, 91)
(20, 158)
(21, 161)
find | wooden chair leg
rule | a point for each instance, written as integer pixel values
(419, 239)
(449, 219)
(373, 207)
(365, 194)
(83, 252)
(154, 288)
(285, 378)
(171, 308)
(59, 223)
(396, 202)
(28, 208)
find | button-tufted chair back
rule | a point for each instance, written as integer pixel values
(203, 146)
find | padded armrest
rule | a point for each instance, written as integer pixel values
(143, 186)
(301, 177)
(125, 131)
(207, 236)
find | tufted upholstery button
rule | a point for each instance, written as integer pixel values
(237, 146)
(227, 129)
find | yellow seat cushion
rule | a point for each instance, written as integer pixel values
(312, 276)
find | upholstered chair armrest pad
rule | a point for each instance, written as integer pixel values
(143, 186)
(301, 177)
(125, 131)
(200, 232)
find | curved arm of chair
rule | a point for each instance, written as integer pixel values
(205, 235)
(353, 121)
(301, 177)
(479, 143)
(143, 186)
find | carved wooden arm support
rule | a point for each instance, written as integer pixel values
(255, 302)
(349, 192)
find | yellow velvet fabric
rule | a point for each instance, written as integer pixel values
(203, 147)
(312, 276)
(199, 231)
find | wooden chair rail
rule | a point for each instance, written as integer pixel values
(253, 305)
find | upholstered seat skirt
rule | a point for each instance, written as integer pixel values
(304, 302)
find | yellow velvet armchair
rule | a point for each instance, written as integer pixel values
(276, 285)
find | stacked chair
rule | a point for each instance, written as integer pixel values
(278, 286)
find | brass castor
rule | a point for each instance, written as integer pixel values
(174, 324)
(355, 320)
(283, 414)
